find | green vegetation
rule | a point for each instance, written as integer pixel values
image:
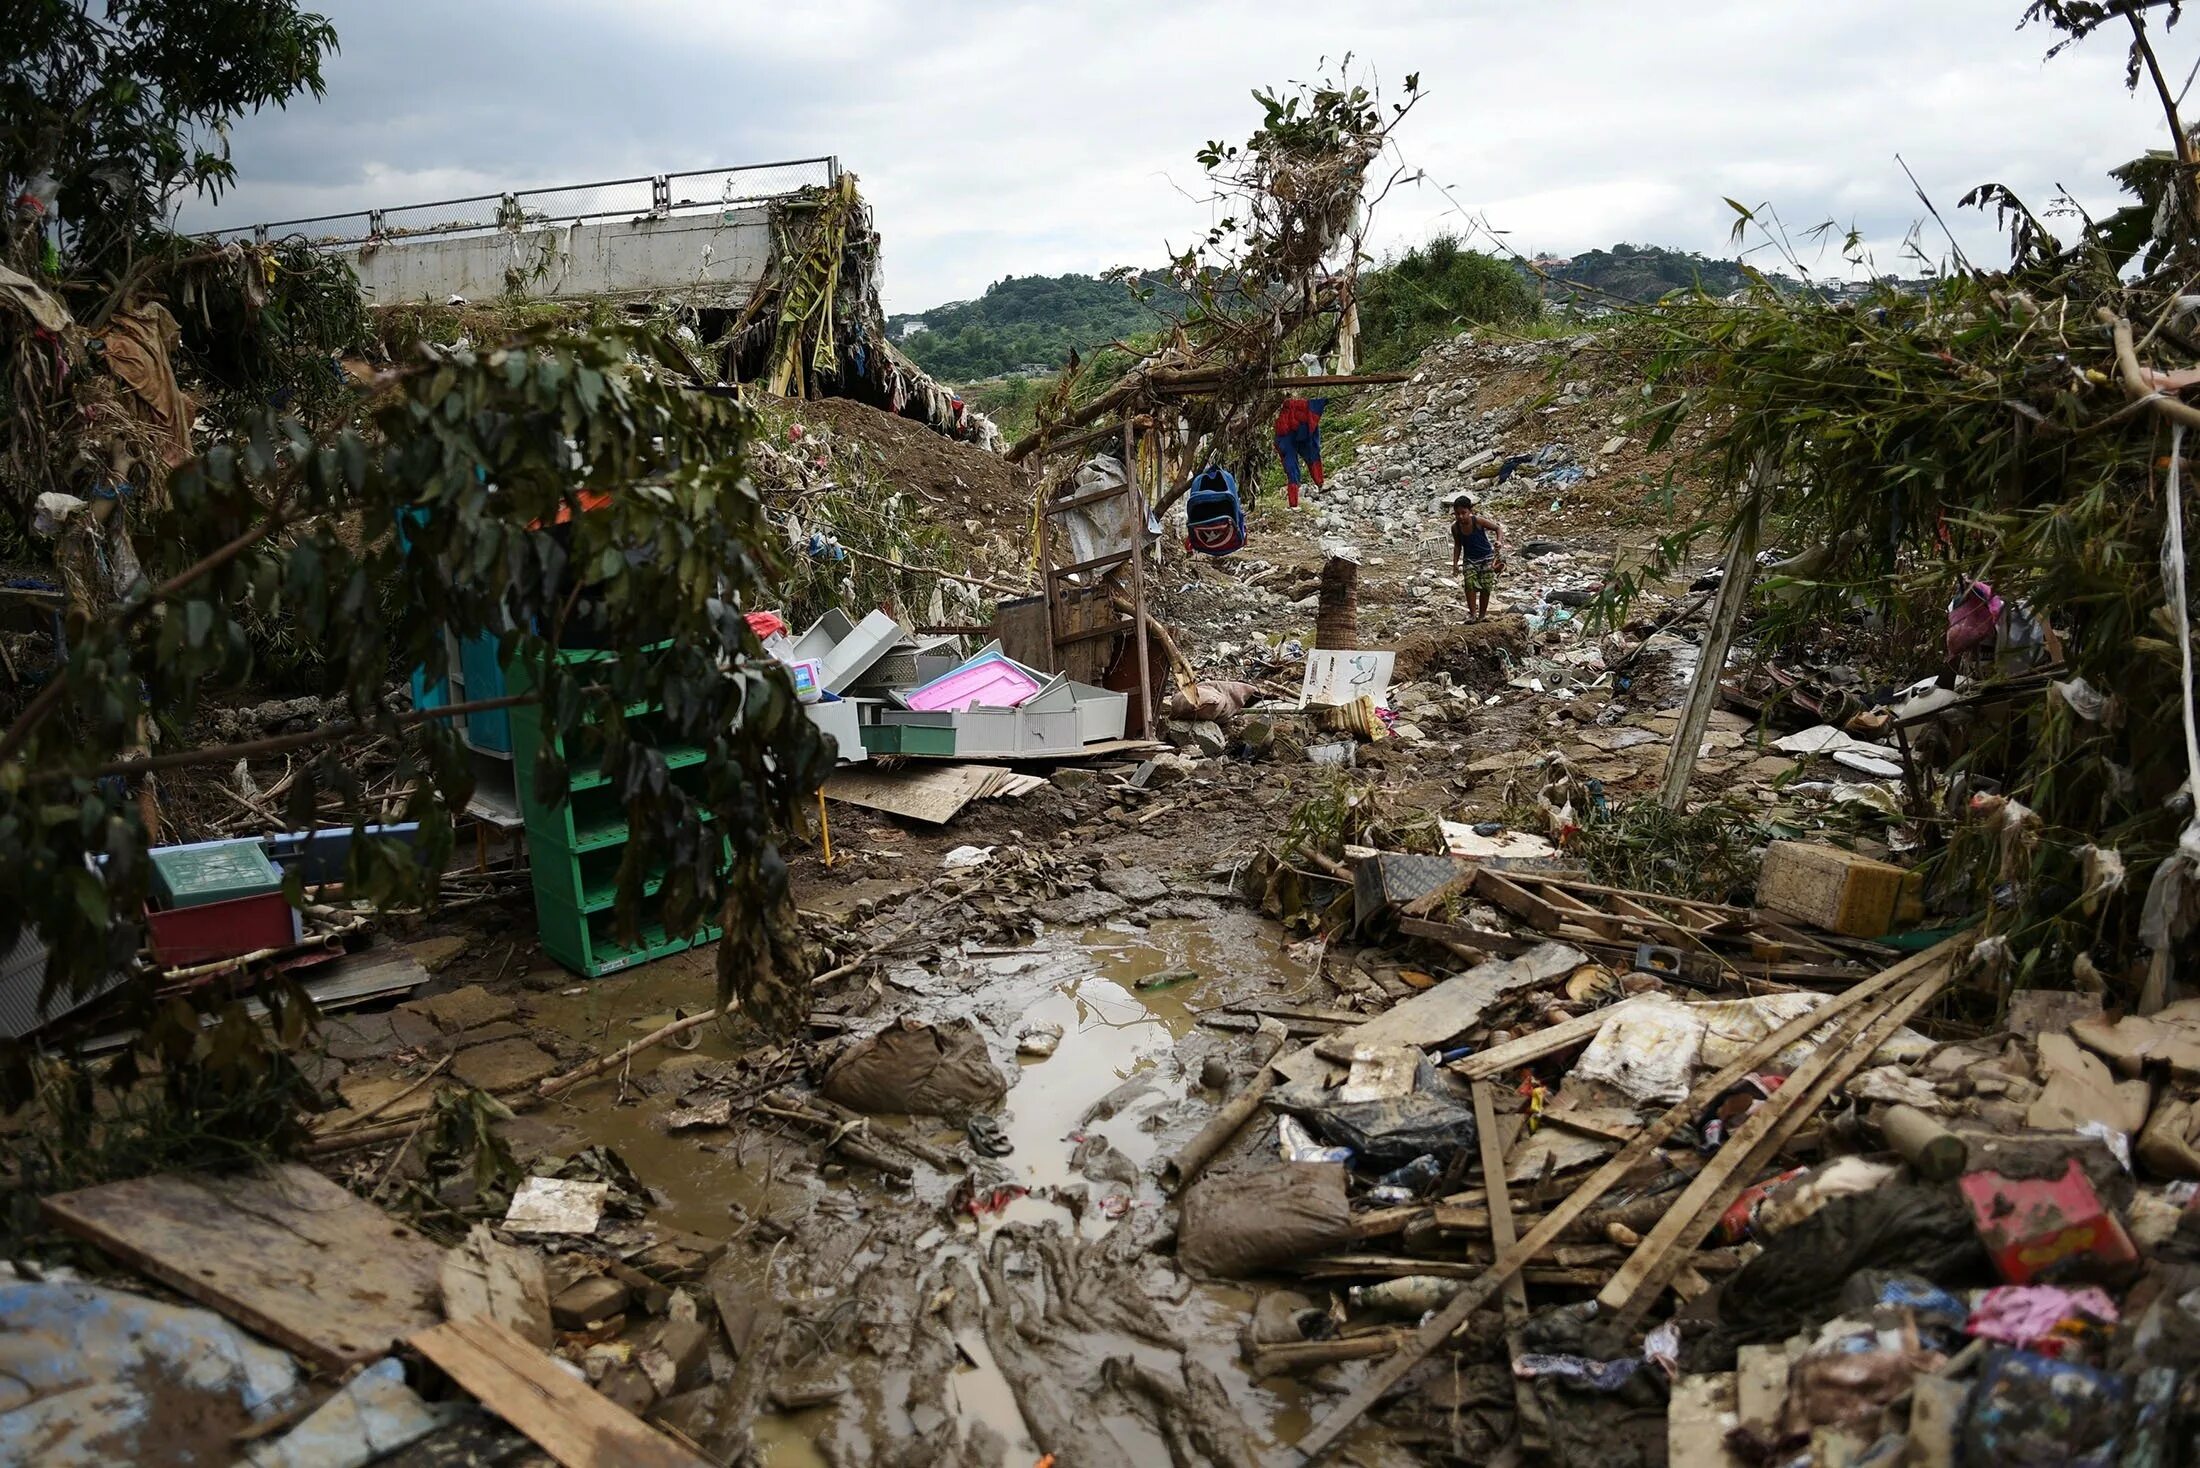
(1030, 322)
(1640, 273)
(279, 520)
(1432, 291)
(2006, 425)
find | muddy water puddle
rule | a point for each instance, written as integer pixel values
(1126, 1002)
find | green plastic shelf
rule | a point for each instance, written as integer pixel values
(677, 757)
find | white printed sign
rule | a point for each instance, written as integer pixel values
(1342, 677)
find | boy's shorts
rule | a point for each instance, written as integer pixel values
(1479, 576)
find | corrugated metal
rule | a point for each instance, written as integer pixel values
(22, 974)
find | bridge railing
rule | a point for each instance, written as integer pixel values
(662, 195)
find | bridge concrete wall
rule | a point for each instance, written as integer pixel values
(702, 257)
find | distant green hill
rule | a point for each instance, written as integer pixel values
(1640, 273)
(1027, 322)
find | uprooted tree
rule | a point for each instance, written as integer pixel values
(1271, 279)
(556, 491)
(2026, 427)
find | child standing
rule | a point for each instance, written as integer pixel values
(1475, 539)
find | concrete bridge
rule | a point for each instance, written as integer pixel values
(704, 237)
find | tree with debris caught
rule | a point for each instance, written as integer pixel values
(551, 491)
(1273, 276)
(2026, 427)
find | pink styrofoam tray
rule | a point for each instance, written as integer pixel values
(992, 680)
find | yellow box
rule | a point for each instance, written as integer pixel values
(1838, 890)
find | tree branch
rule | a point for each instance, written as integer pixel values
(278, 743)
(49, 698)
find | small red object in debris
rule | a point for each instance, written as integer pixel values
(794, 433)
(2056, 1228)
(1740, 1218)
(183, 936)
(978, 1200)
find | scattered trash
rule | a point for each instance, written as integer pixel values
(551, 1205)
(986, 1137)
(914, 1067)
(1240, 1224)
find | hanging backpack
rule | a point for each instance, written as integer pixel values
(1214, 520)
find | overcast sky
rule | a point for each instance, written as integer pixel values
(999, 138)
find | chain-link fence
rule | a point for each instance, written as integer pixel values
(660, 196)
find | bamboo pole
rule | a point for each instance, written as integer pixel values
(1726, 615)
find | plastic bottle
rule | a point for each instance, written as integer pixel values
(1410, 1294)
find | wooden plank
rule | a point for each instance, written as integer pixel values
(1528, 1049)
(1596, 920)
(285, 1253)
(1500, 1197)
(1439, 1327)
(1112, 558)
(1495, 888)
(562, 1415)
(1435, 1015)
(483, 1277)
(1726, 616)
(935, 794)
(1459, 936)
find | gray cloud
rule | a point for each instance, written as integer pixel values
(1003, 138)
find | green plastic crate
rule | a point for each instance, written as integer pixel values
(213, 871)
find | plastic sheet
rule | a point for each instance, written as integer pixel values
(93, 1376)
(1431, 1119)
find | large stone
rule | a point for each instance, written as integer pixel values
(397, 1096)
(438, 954)
(503, 1029)
(587, 1300)
(358, 1036)
(504, 1066)
(1080, 909)
(630, 1387)
(684, 1349)
(1134, 883)
(465, 1009)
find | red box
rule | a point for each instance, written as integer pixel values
(2032, 1225)
(183, 936)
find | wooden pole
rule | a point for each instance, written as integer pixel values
(1726, 615)
(1138, 576)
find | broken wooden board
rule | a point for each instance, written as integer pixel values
(485, 1279)
(1528, 1049)
(1435, 1015)
(935, 794)
(285, 1253)
(560, 1413)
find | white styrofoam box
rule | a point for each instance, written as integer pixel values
(840, 720)
(1102, 714)
(1046, 732)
